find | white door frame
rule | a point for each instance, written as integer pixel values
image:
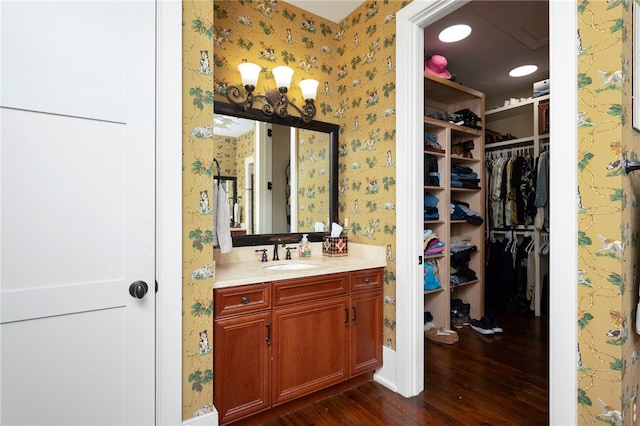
(169, 215)
(409, 361)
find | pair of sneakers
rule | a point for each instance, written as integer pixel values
(486, 325)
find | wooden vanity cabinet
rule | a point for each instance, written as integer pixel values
(365, 326)
(310, 340)
(310, 334)
(242, 351)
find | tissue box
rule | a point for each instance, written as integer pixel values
(335, 246)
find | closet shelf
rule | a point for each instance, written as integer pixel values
(511, 108)
(464, 284)
(445, 96)
(433, 188)
(461, 159)
(529, 140)
(434, 256)
(459, 130)
(465, 190)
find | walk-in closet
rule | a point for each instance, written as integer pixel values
(486, 173)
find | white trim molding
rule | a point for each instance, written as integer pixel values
(209, 419)
(169, 212)
(410, 22)
(386, 375)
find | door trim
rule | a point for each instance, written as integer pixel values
(168, 213)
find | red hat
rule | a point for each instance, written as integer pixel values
(437, 65)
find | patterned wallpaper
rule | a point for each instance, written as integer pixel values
(353, 61)
(198, 150)
(313, 180)
(607, 218)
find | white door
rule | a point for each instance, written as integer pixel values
(77, 212)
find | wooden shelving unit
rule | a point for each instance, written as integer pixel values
(444, 96)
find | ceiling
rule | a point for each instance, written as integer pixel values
(505, 34)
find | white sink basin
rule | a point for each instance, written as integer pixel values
(290, 266)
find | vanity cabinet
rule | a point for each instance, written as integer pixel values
(365, 325)
(308, 334)
(242, 366)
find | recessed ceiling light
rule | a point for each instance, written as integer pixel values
(454, 33)
(523, 70)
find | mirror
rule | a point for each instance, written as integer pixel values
(286, 172)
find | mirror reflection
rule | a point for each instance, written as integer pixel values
(283, 175)
(229, 184)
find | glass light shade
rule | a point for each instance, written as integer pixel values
(309, 88)
(249, 73)
(283, 75)
(454, 33)
(523, 70)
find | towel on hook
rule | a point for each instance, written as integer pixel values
(223, 221)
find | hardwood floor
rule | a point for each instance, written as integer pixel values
(480, 380)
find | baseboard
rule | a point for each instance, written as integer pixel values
(386, 375)
(209, 419)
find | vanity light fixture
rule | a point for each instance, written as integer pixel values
(523, 70)
(274, 101)
(454, 33)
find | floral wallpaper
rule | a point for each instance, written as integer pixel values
(313, 180)
(354, 62)
(198, 150)
(608, 214)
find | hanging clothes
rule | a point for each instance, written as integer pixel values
(542, 192)
(512, 191)
(499, 274)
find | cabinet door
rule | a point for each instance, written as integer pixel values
(365, 332)
(242, 365)
(310, 344)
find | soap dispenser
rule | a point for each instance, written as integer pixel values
(305, 247)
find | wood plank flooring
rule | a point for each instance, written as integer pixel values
(480, 380)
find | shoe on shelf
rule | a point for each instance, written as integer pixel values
(466, 319)
(457, 322)
(495, 324)
(427, 316)
(441, 335)
(482, 326)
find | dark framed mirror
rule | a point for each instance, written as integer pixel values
(286, 196)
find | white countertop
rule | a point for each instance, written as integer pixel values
(243, 266)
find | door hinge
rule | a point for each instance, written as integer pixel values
(419, 260)
(269, 132)
(156, 286)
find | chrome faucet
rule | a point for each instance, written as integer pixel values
(275, 249)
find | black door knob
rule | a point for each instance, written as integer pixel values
(138, 289)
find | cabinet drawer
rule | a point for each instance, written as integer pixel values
(366, 280)
(242, 299)
(299, 290)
